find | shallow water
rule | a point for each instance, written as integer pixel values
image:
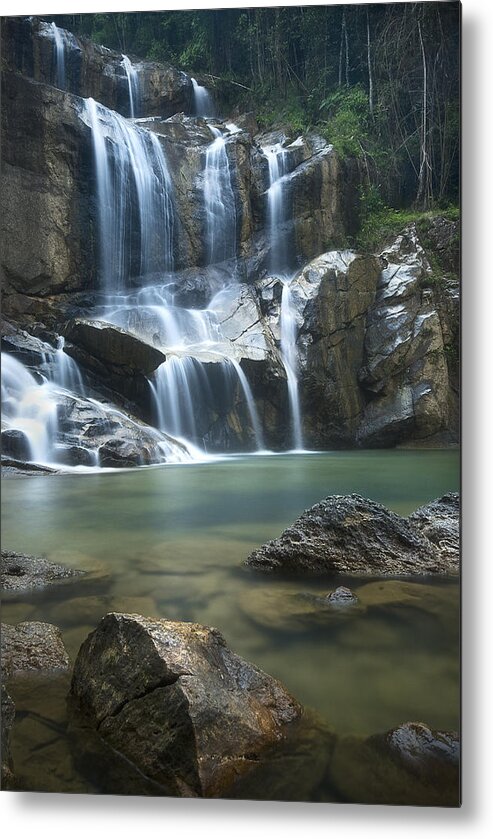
(170, 541)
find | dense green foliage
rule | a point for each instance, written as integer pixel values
(381, 81)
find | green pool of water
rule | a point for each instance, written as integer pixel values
(170, 542)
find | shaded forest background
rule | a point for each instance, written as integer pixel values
(381, 82)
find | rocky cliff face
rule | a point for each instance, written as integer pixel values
(376, 335)
(91, 70)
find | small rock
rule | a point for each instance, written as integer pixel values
(342, 597)
(32, 646)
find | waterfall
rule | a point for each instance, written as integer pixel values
(202, 99)
(66, 370)
(182, 395)
(219, 202)
(290, 361)
(133, 85)
(59, 55)
(277, 159)
(252, 409)
(133, 188)
(29, 407)
(279, 259)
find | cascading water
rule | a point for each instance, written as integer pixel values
(59, 55)
(219, 202)
(277, 159)
(29, 407)
(133, 189)
(133, 85)
(202, 100)
(290, 360)
(279, 260)
(66, 371)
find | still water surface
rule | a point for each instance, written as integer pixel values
(170, 541)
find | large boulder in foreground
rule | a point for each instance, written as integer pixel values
(349, 534)
(172, 698)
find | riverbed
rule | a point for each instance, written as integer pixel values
(169, 542)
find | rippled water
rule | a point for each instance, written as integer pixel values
(170, 541)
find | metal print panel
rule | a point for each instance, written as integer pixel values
(230, 403)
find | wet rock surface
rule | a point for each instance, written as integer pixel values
(7, 721)
(32, 646)
(115, 347)
(21, 572)
(411, 764)
(191, 714)
(351, 535)
(93, 70)
(342, 598)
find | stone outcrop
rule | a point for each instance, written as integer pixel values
(21, 572)
(338, 287)
(47, 185)
(32, 646)
(114, 347)
(348, 534)
(92, 70)
(404, 372)
(172, 697)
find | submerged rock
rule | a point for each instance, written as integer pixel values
(8, 716)
(32, 646)
(21, 572)
(411, 764)
(342, 598)
(170, 696)
(349, 534)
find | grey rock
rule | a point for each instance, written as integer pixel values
(15, 444)
(405, 371)
(439, 521)
(348, 534)
(21, 572)
(32, 646)
(173, 698)
(342, 598)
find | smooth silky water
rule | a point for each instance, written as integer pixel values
(169, 541)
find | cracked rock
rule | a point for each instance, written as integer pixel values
(178, 703)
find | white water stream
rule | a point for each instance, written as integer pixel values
(202, 100)
(133, 85)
